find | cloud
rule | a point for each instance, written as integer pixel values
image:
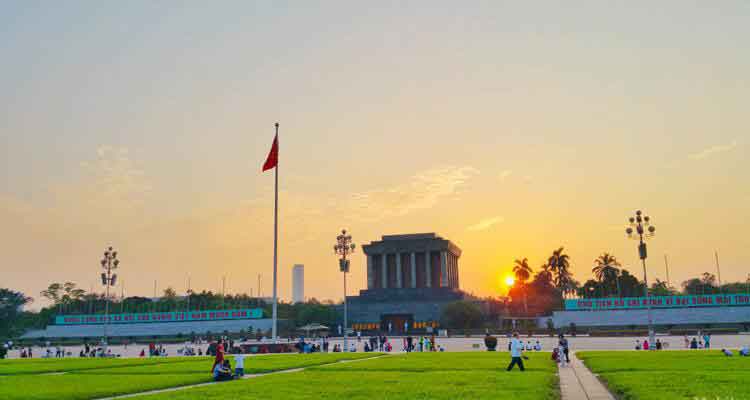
(505, 174)
(713, 150)
(485, 224)
(423, 191)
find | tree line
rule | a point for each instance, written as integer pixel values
(543, 292)
(67, 298)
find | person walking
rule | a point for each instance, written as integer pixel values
(516, 352)
(564, 346)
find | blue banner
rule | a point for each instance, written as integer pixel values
(208, 315)
(628, 303)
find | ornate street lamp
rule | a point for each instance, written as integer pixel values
(640, 229)
(343, 248)
(109, 263)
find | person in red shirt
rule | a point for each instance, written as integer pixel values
(219, 354)
(645, 345)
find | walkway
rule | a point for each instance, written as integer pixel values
(249, 376)
(578, 383)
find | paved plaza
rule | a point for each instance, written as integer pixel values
(474, 343)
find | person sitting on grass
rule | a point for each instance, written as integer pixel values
(745, 351)
(223, 372)
(727, 353)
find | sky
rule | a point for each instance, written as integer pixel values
(510, 128)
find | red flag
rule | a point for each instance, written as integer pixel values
(273, 156)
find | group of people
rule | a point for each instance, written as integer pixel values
(529, 346)
(744, 352)
(645, 345)
(304, 346)
(704, 343)
(423, 343)
(222, 368)
(560, 354)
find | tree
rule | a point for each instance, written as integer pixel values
(706, 284)
(559, 264)
(523, 273)
(67, 296)
(630, 286)
(10, 311)
(522, 270)
(607, 272)
(660, 288)
(170, 293)
(461, 314)
(52, 293)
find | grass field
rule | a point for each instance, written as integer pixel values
(475, 375)
(93, 378)
(667, 375)
(50, 365)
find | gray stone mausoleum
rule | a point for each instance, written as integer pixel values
(409, 280)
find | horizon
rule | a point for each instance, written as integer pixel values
(508, 129)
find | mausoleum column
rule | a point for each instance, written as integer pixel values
(428, 269)
(443, 268)
(413, 270)
(385, 271)
(399, 282)
(370, 272)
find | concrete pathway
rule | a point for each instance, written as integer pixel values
(248, 376)
(578, 383)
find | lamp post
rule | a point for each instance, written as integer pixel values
(343, 248)
(641, 229)
(109, 263)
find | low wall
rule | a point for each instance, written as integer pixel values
(150, 329)
(639, 317)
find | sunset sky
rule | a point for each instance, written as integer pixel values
(510, 128)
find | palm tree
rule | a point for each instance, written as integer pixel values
(606, 270)
(559, 264)
(523, 271)
(544, 275)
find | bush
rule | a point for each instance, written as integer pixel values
(490, 342)
(461, 315)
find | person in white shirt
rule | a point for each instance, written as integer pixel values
(538, 346)
(745, 351)
(239, 365)
(516, 351)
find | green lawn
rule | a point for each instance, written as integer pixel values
(93, 378)
(50, 365)
(665, 375)
(476, 375)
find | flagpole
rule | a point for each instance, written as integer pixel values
(275, 238)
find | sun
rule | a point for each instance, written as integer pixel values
(510, 281)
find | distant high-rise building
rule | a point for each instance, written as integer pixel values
(298, 283)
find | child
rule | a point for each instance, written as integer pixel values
(558, 357)
(239, 365)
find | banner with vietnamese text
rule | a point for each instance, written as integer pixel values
(179, 316)
(627, 303)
